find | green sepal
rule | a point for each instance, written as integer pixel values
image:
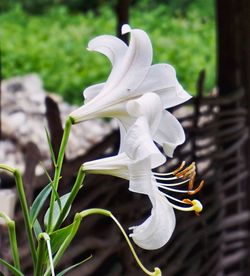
(73, 266)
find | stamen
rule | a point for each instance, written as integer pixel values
(173, 172)
(188, 174)
(165, 178)
(192, 192)
(174, 184)
(173, 198)
(186, 209)
(190, 169)
(191, 182)
(174, 190)
(183, 163)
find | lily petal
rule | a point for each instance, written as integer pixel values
(121, 83)
(110, 46)
(92, 91)
(115, 165)
(161, 79)
(148, 105)
(114, 49)
(138, 58)
(140, 177)
(170, 134)
(139, 144)
(157, 229)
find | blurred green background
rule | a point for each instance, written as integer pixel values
(50, 38)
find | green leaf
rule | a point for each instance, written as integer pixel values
(56, 195)
(37, 228)
(57, 208)
(11, 268)
(57, 237)
(51, 183)
(39, 202)
(73, 266)
(50, 147)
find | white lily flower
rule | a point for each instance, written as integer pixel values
(157, 229)
(139, 156)
(132, 75)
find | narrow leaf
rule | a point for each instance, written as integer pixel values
(56, 195)
(11, 268)
(57, 208)
(50, 147)
(46, 171)
(51, 183)
(57, 237)
(39, 202)
(73, 266)
(37, 228)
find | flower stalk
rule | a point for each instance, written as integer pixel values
(12, 238)
(25, 210)
(58, 169)
(73, 193)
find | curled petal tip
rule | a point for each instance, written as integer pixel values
(125, 29)
(89, 49)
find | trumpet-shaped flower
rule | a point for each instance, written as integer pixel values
(139, 156)
(157, 229)
(132, 76)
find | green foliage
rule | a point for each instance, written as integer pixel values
(11, 268)
(54, 44)
(39, 203)
(73, 266)
(57, 209)
(58, 237)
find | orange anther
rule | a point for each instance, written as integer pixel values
(183, 163)
(186, 172)
(188, 201)
(192, 192)
(191, 182)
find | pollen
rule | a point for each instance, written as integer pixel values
(190, 172)
(196, 204)
(183, 163)
(196, 190)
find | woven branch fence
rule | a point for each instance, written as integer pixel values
(214, 243)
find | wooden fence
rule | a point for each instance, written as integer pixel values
(215, 243)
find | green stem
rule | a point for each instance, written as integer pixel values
(77, 220)
(73, 193)
(7, 168)
(58, 170)
(157, 271)
(25, 210)
(67, 241)
(43, 242)
(13, 241)
(40, 255)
